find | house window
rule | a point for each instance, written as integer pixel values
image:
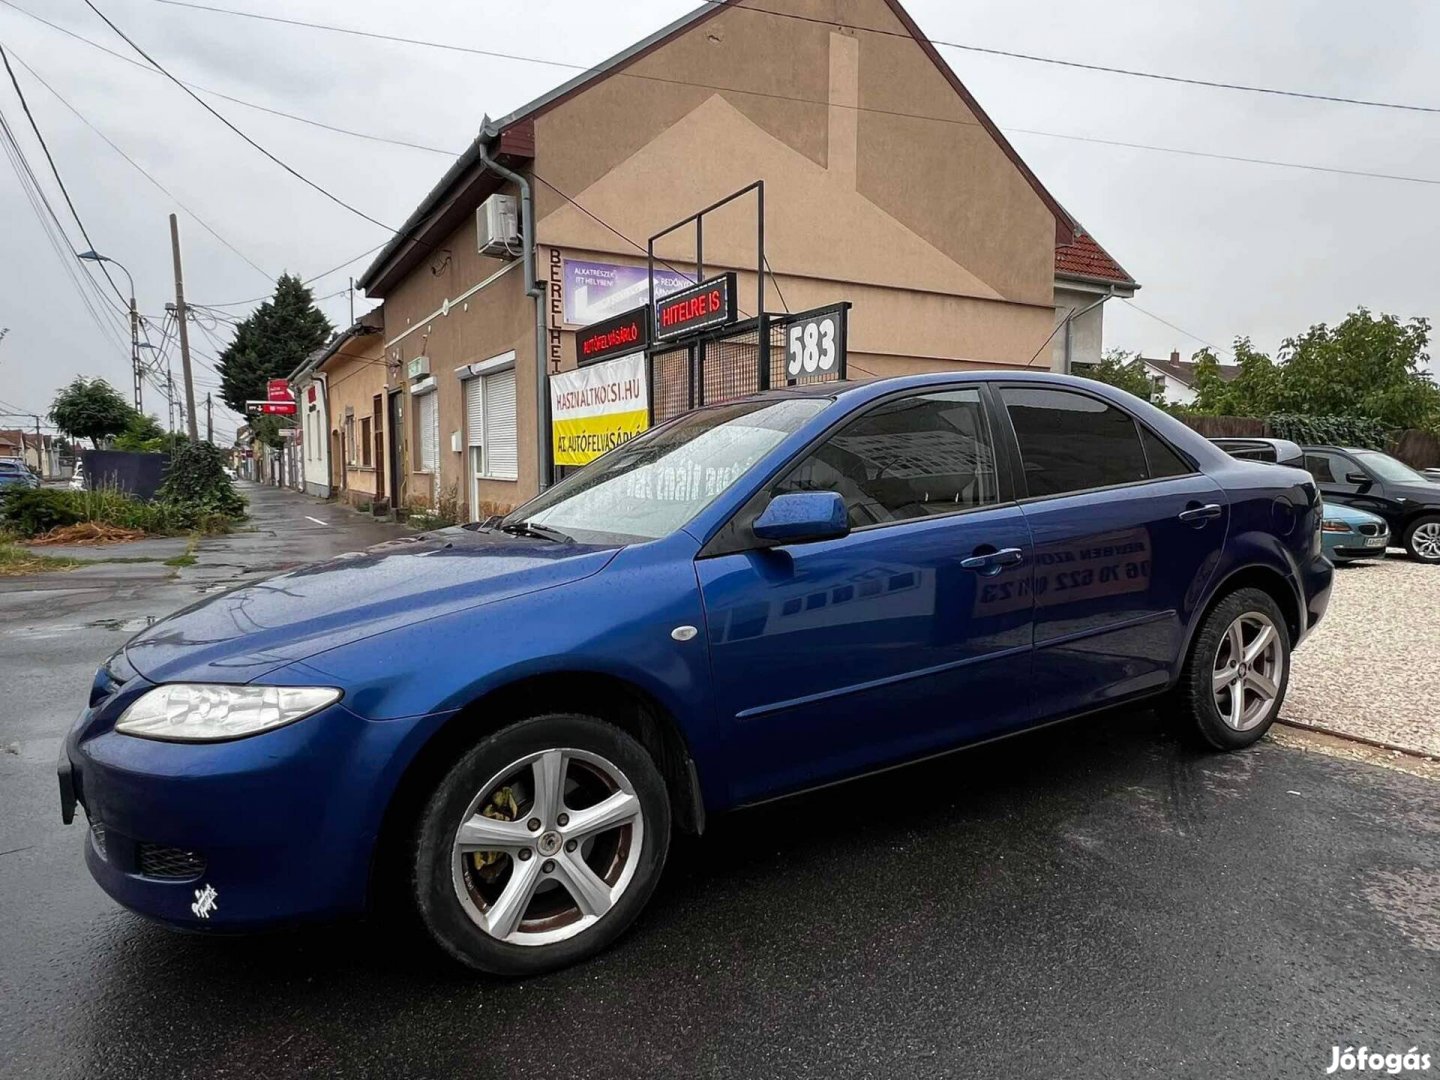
(427, 433)
(365, 442)
(350, 438)
(490, 426)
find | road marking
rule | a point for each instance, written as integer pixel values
(316, 520)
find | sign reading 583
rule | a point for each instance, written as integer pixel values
(812, 346)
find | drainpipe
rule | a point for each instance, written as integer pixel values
(536, 291)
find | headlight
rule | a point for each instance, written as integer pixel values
(186, 712)
(1334, 526)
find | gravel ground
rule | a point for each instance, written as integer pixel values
(1372, 668)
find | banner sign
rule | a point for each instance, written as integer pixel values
(271, 408)
(278, 390)
(597, 407)
(596, 291)
(623, 334)
(710, 303)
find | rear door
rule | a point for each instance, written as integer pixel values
(909, 635)
(1127, 535)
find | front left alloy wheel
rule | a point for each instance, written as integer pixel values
(541, 845)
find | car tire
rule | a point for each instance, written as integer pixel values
(528, 905)
(1422, 539)
(1212, 676)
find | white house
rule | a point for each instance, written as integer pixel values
(1175, 378)
(1086, 279)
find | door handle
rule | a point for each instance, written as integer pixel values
(1198, 515)
(994, 561)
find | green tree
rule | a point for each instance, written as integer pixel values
(1368, 368)
(1123, 370)
(142, 433)
(90, 409)
(266, 429)
(271, 342)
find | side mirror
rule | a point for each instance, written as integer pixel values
(1359, 479)
(801, 517)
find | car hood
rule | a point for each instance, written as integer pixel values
(241, 634)
(1335, 511)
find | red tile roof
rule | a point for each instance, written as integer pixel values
(1084, 258)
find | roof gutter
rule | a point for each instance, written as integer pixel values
(536, 291)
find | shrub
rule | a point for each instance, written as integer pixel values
(38, 510)
(196, 483)
(1358, 431)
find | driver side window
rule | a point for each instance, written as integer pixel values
(1329, 468)
(917, 456)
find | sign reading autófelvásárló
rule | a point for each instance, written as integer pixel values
(596, 408)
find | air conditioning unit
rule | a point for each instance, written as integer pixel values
(419, 368)
(497, 226)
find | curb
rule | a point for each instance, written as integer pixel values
(1379, 744)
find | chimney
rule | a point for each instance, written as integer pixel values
(1174, 356)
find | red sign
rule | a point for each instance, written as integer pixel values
(310, 393)
(277, 408)
(710, 303)
(614, 337)
(278, 390)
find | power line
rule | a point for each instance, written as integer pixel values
(213, 112)
(1366, 174)
(227, 97)
(139, 168)
(1031, 57)
(1172, 326)
(55, 170)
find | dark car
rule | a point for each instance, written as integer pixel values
(505, 721)
(1387, 488)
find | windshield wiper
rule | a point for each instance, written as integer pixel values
(542, 532)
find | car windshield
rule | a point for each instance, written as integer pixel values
(650, 486)
(1388, 468)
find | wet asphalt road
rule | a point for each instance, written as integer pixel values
(1091, 900)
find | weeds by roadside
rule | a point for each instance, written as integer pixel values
(16, 560)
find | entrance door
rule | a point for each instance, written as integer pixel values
(1127, 536)
(397, 448)
(378, 435)
(911, 634)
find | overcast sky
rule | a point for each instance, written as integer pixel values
(1221, 248)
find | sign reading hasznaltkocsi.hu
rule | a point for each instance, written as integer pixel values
(598, 407)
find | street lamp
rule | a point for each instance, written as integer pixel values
(95, 256)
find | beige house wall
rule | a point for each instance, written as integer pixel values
(882, 188)
(354, 376)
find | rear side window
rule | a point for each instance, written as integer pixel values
(913, 457)
(1163, 461)
(1074, 442)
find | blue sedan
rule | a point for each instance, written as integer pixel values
(507, 721)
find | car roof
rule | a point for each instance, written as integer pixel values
(840, 387)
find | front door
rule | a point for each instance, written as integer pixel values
(377, 429)
(1342, 479)
(1127, 535)
(397, 449)
(909, 635)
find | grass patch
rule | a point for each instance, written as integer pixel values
(187, 557)
(16, 560)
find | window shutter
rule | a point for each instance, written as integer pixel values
(474, 413)
(429, 434)
(502, 459)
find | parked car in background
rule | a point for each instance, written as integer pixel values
(14, 475)
(77, 478)
(1431, 474)
(1386, 487)
(1349, 533)
(1275, 451)
(505, 721)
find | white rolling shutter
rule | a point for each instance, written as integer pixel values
(429, 434)
(474, 412)
(502, 458)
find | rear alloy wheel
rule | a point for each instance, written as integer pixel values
(1422, 540)
(541, 845)
(1239, 666)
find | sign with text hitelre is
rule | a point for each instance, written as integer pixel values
(626, 333)
(596, 408)
(710, 303)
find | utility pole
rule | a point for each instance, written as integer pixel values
(170, 398)
(209, 420)
(182, 315)
(135, 352)
(39, 448)
(352, 301)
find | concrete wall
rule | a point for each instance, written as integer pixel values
(1087, 331)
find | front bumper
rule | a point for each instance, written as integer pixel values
(275, 828)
